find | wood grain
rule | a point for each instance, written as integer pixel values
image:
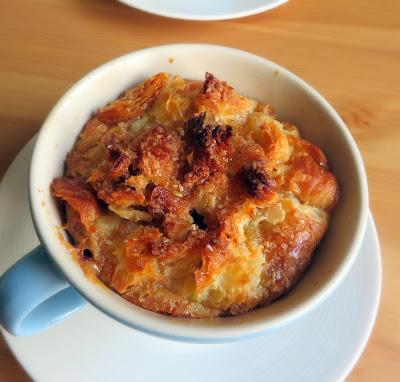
(348, 50)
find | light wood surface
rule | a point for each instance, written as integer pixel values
(349, 50)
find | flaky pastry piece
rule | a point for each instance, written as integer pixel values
(190, 199)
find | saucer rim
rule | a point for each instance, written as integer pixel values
(203, 17)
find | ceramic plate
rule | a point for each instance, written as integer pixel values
(204, 9)
(90, 346)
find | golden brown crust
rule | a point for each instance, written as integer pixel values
(79, 197)
(134, 102)
(193, 200)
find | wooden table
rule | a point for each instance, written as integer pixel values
(347, 49)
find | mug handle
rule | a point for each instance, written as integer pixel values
(34, 295)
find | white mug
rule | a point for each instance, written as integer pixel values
(47, 284)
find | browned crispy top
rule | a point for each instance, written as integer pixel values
(190, 199)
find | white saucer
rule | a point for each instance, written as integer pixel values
(90, 346)
(204, 9)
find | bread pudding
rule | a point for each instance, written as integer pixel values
(187, 198)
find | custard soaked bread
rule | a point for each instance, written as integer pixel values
(187, 198)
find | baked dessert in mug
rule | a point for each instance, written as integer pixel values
(189, 199)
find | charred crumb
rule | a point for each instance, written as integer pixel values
(195, 127)
(221, 134)
(211, 83)
(257, 183)
(209, 78)
(206, 135)
(198, 219)
(211, 148)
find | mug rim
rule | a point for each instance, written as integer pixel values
(199, 333)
